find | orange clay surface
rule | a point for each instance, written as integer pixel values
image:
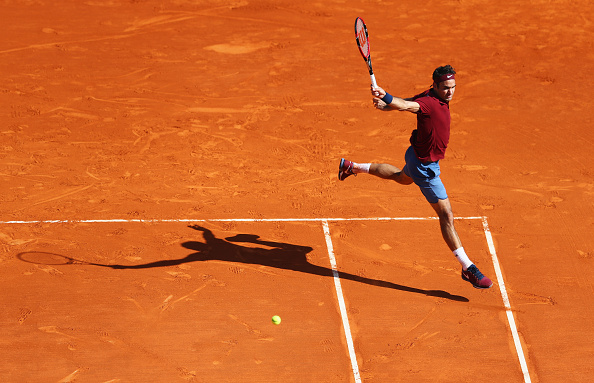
(173, 111)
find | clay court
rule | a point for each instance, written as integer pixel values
(169, 183)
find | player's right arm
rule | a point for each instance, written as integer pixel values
(400, 104)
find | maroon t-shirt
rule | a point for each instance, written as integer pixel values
(432, 135)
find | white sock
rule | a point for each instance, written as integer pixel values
(361, 168)
(462, 258)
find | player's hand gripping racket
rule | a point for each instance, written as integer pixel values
(362, 38)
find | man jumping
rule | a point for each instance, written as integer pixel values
(428, 144)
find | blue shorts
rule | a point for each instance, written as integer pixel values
(425, 176)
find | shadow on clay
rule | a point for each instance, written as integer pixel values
(278, 255)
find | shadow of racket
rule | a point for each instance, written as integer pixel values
(47, 258)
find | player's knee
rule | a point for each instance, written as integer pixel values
(402, 178)
(445, 213)
(446, 216)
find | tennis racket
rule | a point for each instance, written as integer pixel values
(362, 38)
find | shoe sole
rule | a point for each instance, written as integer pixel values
(340, 170)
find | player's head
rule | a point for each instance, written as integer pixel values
(444, 82)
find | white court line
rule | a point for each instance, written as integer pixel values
(510, 315)
(341, 304)
(189, 220)
(324, 221)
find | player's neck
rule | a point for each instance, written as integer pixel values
(436, 95)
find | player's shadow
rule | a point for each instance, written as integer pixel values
(273, 254)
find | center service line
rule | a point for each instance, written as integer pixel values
(341, 304)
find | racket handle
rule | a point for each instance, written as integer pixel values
(373, 82)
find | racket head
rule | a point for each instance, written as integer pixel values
(362, 38)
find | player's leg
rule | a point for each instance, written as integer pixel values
(385, 171)
(390, 172)
(426, 176)
(470, 272)
(435, 193)
(443, 208)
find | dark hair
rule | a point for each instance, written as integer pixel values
(446, 69)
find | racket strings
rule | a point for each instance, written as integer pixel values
(362, 38)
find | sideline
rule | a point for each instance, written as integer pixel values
(341, 304)
(504, 296)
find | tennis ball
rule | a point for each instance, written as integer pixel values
(276, 319)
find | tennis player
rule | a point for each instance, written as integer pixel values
(428, 145)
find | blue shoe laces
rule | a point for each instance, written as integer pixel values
(476, 272)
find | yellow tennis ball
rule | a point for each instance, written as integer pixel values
(276, 319)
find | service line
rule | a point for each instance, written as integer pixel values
(190, 220)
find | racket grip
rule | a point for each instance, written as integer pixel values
(373, 82)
